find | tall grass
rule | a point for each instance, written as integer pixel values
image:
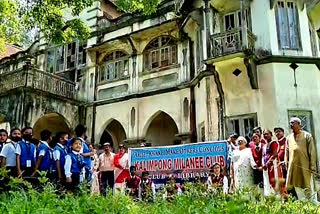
(23, 198)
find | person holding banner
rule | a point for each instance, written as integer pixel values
(121, 172)
(242, 166)
(216, 181)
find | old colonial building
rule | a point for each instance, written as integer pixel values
(193, 71)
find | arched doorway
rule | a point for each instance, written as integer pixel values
(53, 122)
(162, 130)
(114, 134)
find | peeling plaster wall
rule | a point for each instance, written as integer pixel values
(24, 109)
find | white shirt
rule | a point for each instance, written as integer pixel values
(67, 165)
(18, 149)
(153, 189)
(56, 153)
(225, 184)
(8, 152)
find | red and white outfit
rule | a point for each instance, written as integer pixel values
(273, 171)
(121, 171)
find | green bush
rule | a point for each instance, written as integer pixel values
(23, 198)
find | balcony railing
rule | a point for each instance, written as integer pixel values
(233, 41)
(38, 80)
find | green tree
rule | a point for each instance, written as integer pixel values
(20, 17)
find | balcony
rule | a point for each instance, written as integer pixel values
(236, 41)
(29, 77)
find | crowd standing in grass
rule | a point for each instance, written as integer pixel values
(273, 165)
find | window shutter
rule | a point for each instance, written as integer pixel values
(282, 25)
(293, 25)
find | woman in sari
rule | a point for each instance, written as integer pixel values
(242, 166)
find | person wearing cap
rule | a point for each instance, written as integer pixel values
(300, 158)
(121, 171)
(106, 168)
(216, 180)
(242, 166)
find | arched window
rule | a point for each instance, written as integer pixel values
(115, 66)
(160, 52)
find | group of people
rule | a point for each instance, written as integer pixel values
(278, 165)
(68, 161)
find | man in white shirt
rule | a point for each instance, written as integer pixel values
(106, 168)
(8, 152)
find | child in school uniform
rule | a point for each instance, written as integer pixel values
(74, 164)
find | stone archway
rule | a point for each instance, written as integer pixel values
(161, 130)
(54, 122)
(114, 133)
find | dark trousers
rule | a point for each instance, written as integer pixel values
(27, 171)
(258, 177)
(107, 181)
(74, 185)
(12, 171)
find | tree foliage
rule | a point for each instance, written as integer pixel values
(144, 6)
(10, 25)
(20, 17)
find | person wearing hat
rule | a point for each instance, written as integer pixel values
(121, 171)
(106, 168)
(300, 158)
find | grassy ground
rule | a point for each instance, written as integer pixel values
(195, 200)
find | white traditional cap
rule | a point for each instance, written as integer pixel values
(295, 119)
(242, 139)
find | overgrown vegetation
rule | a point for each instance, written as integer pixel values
(23, 198)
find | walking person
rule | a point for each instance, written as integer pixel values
(25, 154)
(301, 161)
(242, 166)
(106, 168)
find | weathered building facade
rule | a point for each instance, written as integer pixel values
(194, 71)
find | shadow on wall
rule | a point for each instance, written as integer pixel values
(162, 130)
(54, 122)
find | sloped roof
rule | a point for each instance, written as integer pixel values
(10, 50)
